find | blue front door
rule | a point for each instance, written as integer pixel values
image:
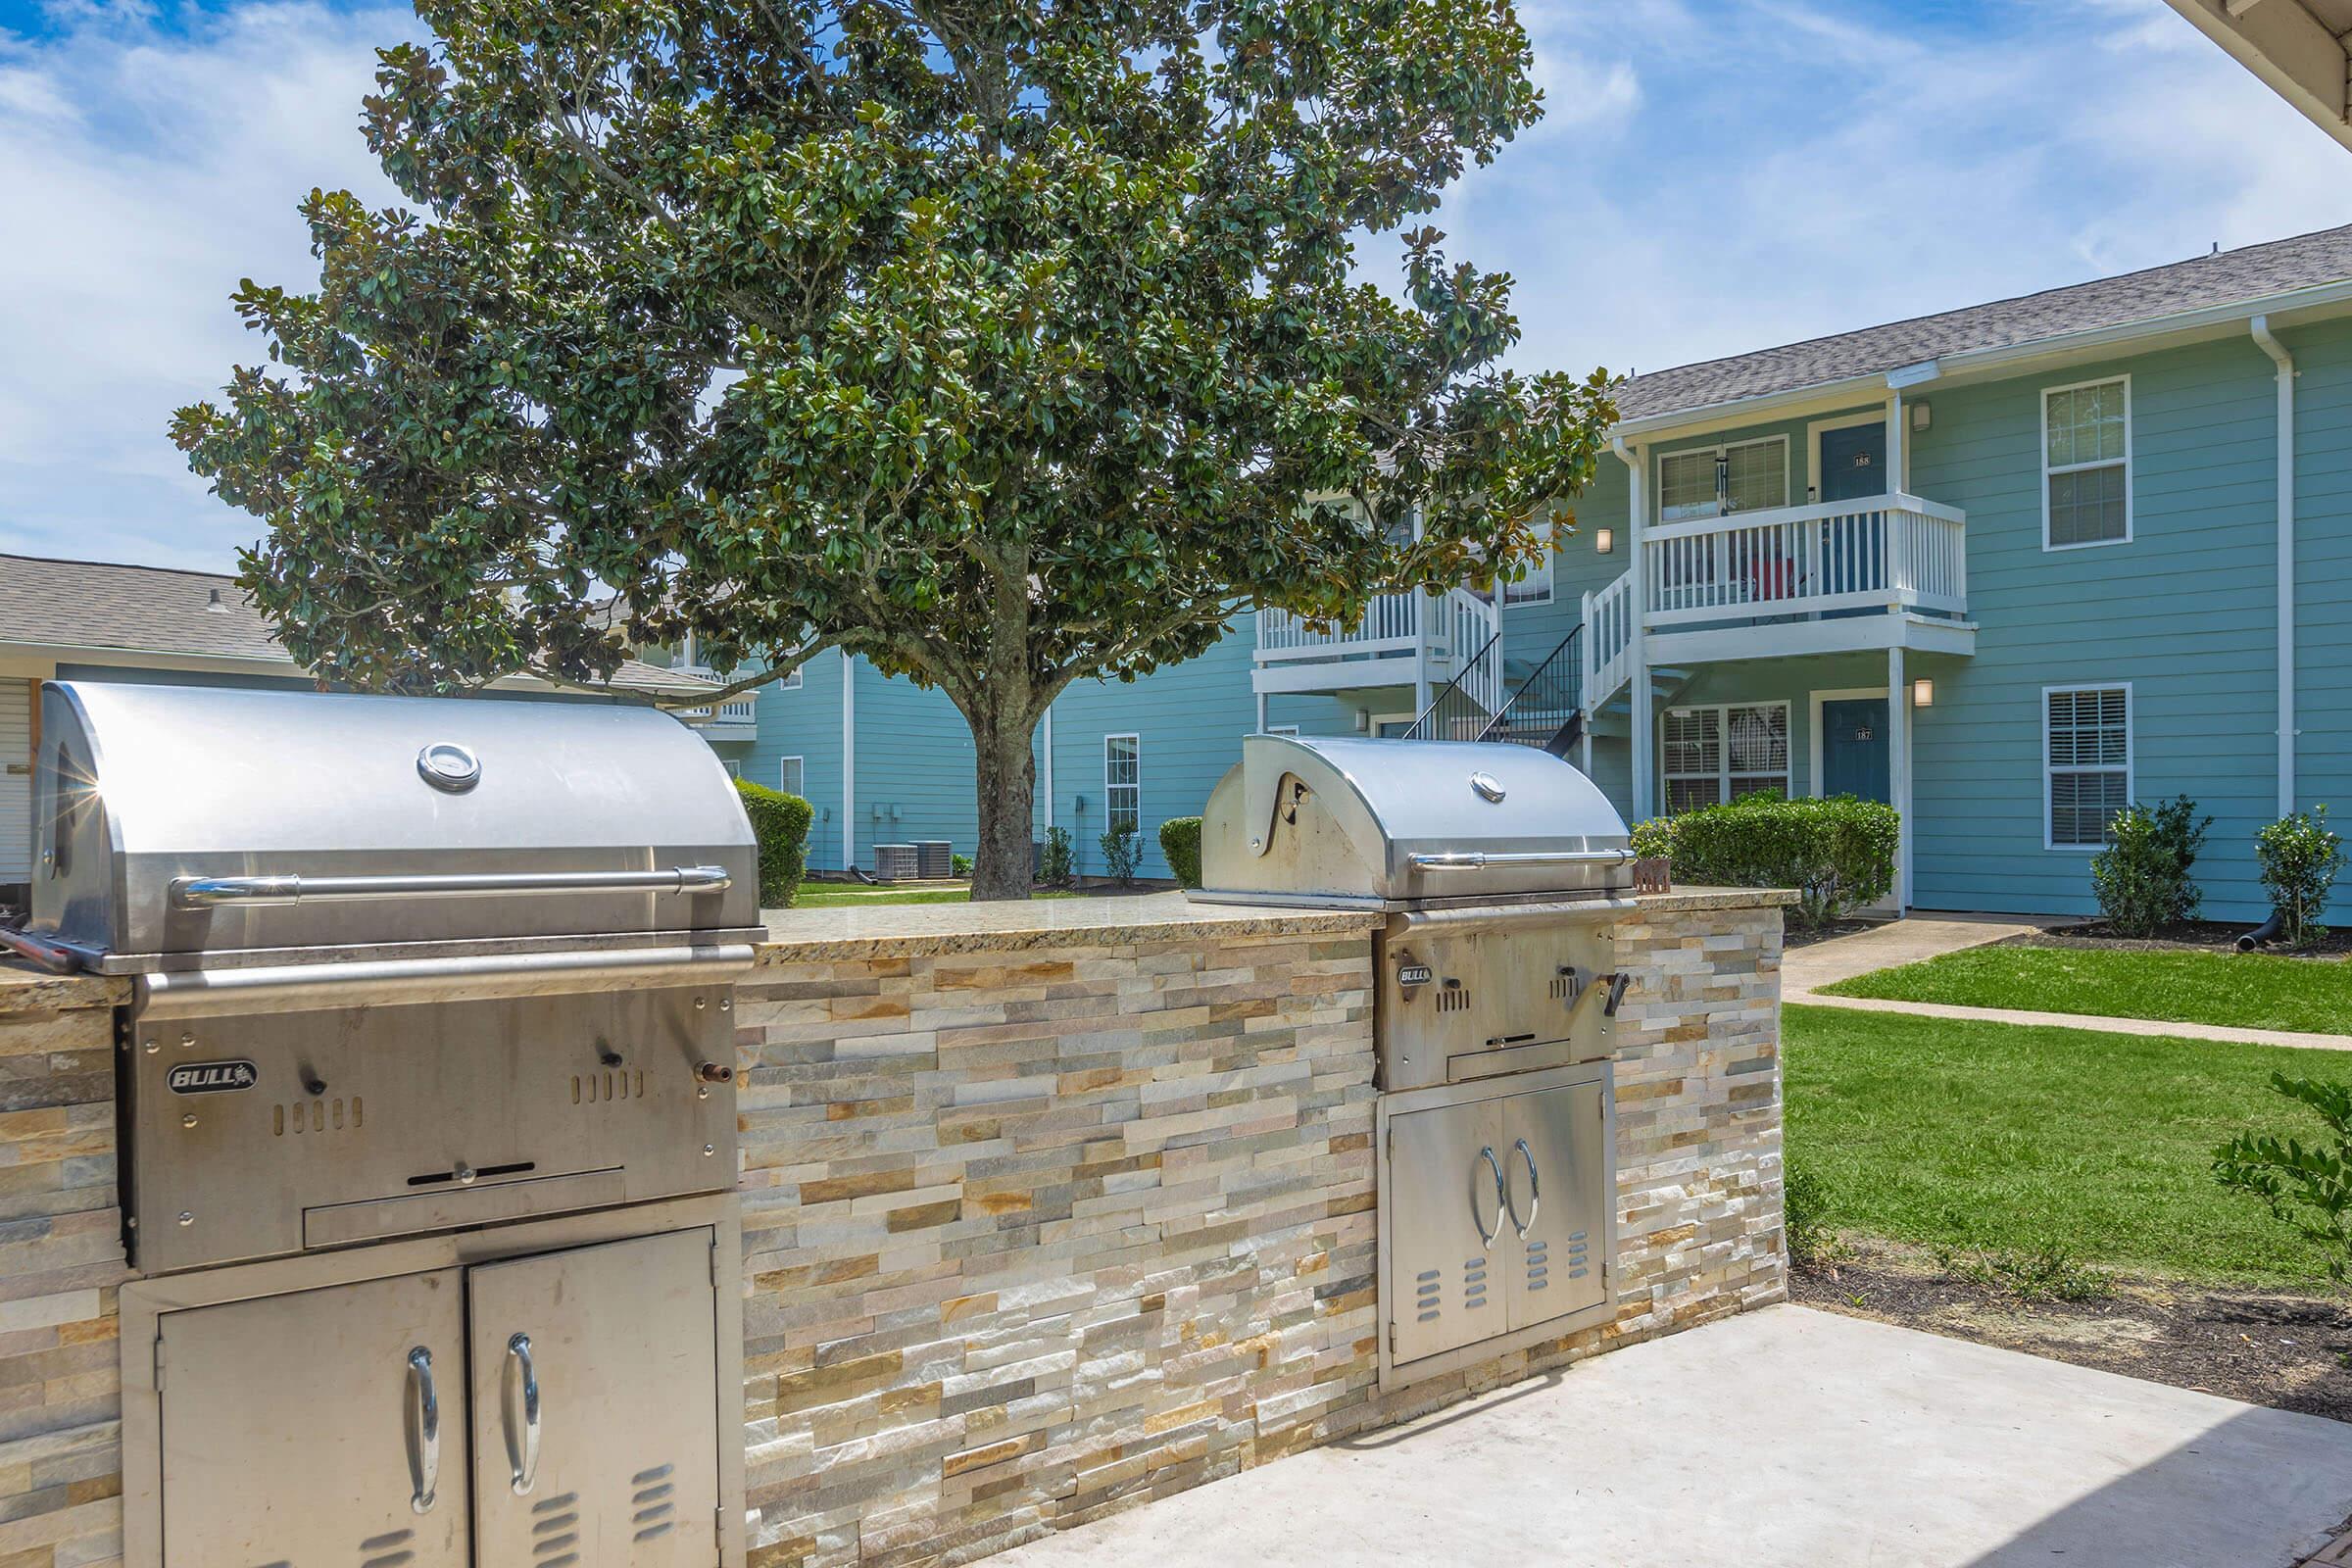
(1853, 748)
(1853, 463)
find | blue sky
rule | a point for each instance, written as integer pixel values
(1711, 177)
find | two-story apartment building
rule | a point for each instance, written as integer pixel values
(2007, 568)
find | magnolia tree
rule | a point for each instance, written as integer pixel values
(996, 342)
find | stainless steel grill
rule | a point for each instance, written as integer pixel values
(426, 1079)
(1504, 872)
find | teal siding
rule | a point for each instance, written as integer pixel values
(2323, 571)
(2183, 612)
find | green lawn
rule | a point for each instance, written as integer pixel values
(1996, 1138)
(2249, 991)
(831, 895)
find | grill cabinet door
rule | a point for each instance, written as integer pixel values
(293, 1429)
(610, 1352)
(1556, 1143)
(1446, 1201)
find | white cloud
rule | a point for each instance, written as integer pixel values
(142, 172)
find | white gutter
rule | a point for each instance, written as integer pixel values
(849, 761)
(1048, 767)
(1638, 693)
(2261, 327)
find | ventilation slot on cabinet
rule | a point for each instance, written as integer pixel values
(387, 1550)
(1453, 998)
(1473, 1282)
(1577, 1256)
(1539, 1264)
(1426, 1290)
(603, 1088)
(653, 1504)
(304, 1117)
(1563, 986)
(556, 1532)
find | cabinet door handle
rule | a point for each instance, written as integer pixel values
(1535, 1193)
(523, 1456)
(1502, 1198)
(424, 1458)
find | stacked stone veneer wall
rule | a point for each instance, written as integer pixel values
(1030, 1233)
(1037, 1234)
(61, 1261)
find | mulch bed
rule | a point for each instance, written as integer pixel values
(1794, 936)
(2280, 1349)
(2195, 936)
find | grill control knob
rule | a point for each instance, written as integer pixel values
(464, 1175)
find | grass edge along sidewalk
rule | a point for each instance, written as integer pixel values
(2006, 1138)
(2237, 991)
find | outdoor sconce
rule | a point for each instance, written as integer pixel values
(1923, 693)
(1363, 722)
(1920, 415)
(1605, 540)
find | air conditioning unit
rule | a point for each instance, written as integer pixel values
(894, 863)
(934, 858)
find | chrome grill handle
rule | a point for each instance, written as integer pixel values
(525, 1458)
(425, 1464)
(1502, 1200)
(209, 892)
(1481, 860)
(1535, 1193)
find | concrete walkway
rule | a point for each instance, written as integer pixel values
(1921, 937)
(1785, 1439)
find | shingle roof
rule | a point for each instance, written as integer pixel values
(2226, 278)
(158, 609)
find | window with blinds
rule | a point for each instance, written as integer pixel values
(1709, 481)
(1714, 754)
(2087, 762)
(1535, 587)
(789, 777)
(2087, 464)
(1123, 782)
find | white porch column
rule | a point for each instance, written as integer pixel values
(1638, 695)
(1898, 772)
(1262, 713)
(1898, 473)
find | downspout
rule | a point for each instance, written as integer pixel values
(1638, 694)
(1048, 767)
(2261, 328)
(849, 762)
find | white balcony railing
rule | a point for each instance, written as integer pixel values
(739, 709)
(1389, 624)
(1883, 552)
(1386, 645)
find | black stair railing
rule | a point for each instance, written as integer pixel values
(1547, 708)
(1453, 714)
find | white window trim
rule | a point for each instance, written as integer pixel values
(1292, 730)
(1525, 594)
(1110, 814)
(1723, 760)
(801, 763)
(1839, 694)
(2047, 393)
(1378, 719)
(791, 682)
(2049, 837)
(1657, 489)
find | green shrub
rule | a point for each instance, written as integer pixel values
(1180, 842)
(1122, 851)
(1837, 853)
(2141, 877)
(960, 864)
(2300, 857)
(2306, 1188)
(1054, 860)
(780, 824)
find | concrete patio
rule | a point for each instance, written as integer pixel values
(1787, 1437)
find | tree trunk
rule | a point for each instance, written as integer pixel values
(1007, 790)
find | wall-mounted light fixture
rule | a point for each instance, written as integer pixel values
(1605, 540)
(1363, 722)
(1921, 414)
(1923, 693)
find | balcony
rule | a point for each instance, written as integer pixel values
(1384, 646)
(736, 719)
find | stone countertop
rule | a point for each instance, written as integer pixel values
(923, 930)
(26, 989)
(913, 930)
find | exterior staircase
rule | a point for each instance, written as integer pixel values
(1543, 710)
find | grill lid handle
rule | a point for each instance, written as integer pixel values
(205, 891)
(1480, 860)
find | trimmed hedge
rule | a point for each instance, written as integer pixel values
(1837, 853)
(1180, 842)
(780, 822)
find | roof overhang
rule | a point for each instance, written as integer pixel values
(2295, 46)
(2287, 308)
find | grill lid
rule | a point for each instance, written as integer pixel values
(1387, 824)
(177, 826)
